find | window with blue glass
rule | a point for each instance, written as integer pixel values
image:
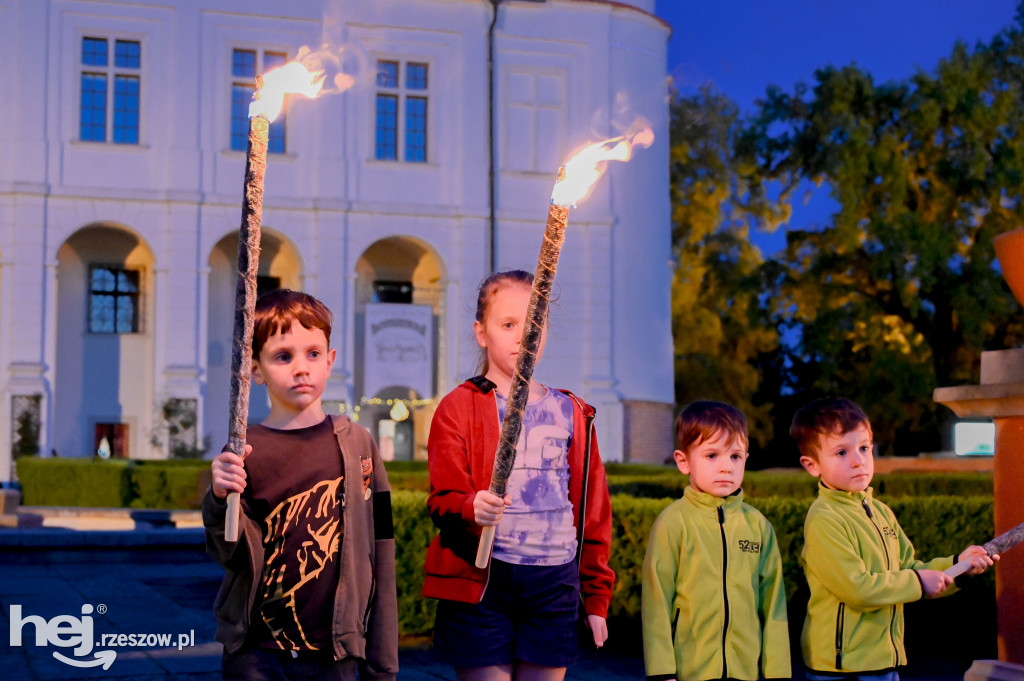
(110, 114)
(113, 300)
(245, 64)
(400, 116)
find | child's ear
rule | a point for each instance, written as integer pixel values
(478, 331)
(810, 465)
(257, 377)
(681, 463)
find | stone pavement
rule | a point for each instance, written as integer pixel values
(147, 583)
(151, 582)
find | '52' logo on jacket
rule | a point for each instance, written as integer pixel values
(750, 546)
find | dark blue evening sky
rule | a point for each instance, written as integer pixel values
(743, 46)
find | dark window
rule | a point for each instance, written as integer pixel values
(400, 121)
(94, 51)
(416, 76)
(100, 109)
(387, 73)
(392, 292)
(127, 54)
(93, 120)
(126, 110)
(113, 300)
(416, 129)
(387, 127)
(245, 64)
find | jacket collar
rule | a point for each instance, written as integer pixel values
(485, 386)
(844, 497)
(482, 383)
(711, 502)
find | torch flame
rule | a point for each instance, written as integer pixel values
(581, 171)
(293, 77)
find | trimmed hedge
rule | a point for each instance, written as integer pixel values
(656, 482)
(170, 484)
(668, 482)
(74, 482)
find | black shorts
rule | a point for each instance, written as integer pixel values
(529, 613)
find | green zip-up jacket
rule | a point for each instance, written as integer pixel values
(713, 603)
(861, 569)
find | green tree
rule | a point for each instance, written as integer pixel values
(898, 294)
(720, 330)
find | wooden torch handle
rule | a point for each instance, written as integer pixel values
(231, 518)
(483, 551)
(958, 569)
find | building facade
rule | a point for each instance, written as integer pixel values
(123, 150)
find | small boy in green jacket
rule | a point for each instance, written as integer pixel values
(713, 605)
(860, 565)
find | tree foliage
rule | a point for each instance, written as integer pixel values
(899, 292)
(719, 325)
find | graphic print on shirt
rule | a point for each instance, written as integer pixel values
(537, 529)
(308, 526)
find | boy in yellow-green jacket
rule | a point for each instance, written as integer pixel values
(860, 565)
(714, 606)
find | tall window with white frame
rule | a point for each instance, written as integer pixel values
(401, 111)
(111, 71)
(245, 65)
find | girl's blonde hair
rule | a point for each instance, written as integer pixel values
(488, 287)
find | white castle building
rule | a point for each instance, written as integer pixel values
(123, 152)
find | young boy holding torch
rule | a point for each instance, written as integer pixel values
(713, 605)
(859, 563)
(516, 618)
(310, 585)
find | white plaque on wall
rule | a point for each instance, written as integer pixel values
(399, 348)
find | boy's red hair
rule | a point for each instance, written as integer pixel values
(828, 415)
(701, 421)
(276, 310)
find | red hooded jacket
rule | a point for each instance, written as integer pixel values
(463, 439)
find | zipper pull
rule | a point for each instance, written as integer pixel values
(867, 509)
(721, 515)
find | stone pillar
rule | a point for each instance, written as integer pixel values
(1009, 512)
(1001, 398)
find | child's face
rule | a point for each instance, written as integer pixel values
(844, 460)
(294, 366)
(715, 466)
(502, 329)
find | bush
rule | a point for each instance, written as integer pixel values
(667, 482)
(413, 532)
(938, 526)
(170, 484)
(75, 482)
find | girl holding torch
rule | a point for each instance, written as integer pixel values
(517, 617)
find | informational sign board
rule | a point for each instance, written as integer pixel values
(399, 348)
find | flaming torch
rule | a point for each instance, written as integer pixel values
(572, 184)
(267, 101)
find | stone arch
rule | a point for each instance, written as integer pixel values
(401, 269)
(104, 375)
(280, 266)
